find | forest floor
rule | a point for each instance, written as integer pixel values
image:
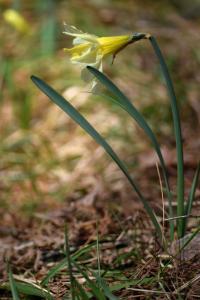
(53, 175)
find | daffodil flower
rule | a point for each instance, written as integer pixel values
(89, 49)
(15, 19)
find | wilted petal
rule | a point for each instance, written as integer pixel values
(90, 56)
(73, 31)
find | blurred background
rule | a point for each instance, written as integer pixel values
(46, 159)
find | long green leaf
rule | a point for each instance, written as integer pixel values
(125, 103)
(191, 196)
(28, 288)
(78, 118)
(178, 136)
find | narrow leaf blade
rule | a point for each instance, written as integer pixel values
(126, 104)
(78, 118)
(13, 285)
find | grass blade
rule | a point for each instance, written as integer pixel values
(98, 252)
(125, 104)
(53, 271)
(178, 136)
(183, 244)
(95, 289)
(32, 289)
(191, 196)
(99, 279)
(105, 288)
(67, 249)
(133, 282)
(25, 287)
(83, 250)
(78, 118)
(13, 285)
(61, 265)
(107, 291)
(82, 292)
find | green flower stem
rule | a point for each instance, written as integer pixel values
(178, 137)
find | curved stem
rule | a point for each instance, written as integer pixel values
(178, 136)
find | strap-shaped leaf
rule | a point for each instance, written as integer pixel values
(125, 103)
(78, 118)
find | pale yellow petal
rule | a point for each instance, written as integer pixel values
(90, 50)
(78, 50)
(88, 57)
